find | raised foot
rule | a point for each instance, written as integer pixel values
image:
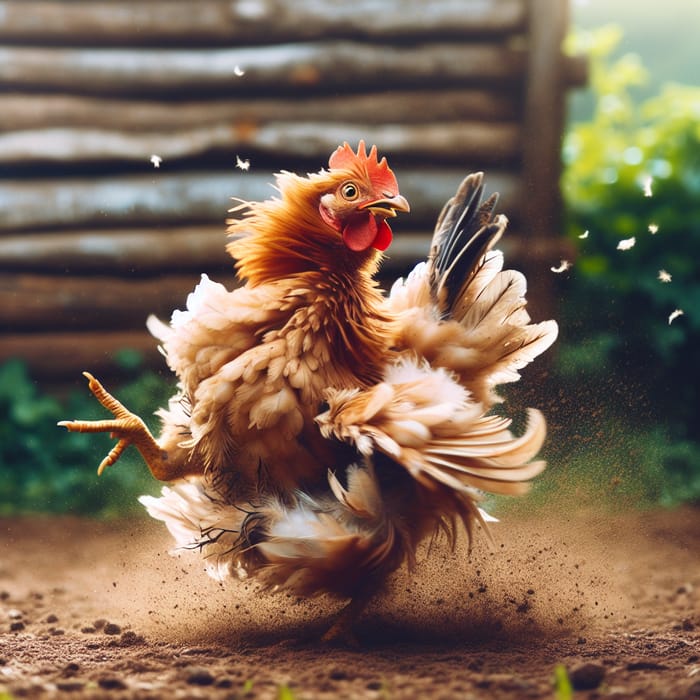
(126, 426)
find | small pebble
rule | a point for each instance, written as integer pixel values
(196, 675)
(111, 628)
(88, 629)
(645, 666)
(588, 676)
(16, 626)
(130, 638)
(15, 614)
(70, 686)
(111, 683)
(51, 618)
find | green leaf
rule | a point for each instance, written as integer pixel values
(563, 690)
(284, 692)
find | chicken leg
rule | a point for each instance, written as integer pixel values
(129, 429)
(341, 632)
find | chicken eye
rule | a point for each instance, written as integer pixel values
(349, 190)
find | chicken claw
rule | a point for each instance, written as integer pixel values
(127, 427)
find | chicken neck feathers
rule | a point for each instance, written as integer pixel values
(285, 236)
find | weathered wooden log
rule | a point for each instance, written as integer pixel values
(151, 251)
(129, 252)
(137, 251)
(201, 248)
(286, 68)
(31, 111)
(58, 356)
(253, 21)
(155, 199)
(163, 199)
(544, 122)
(30, 301)
(455, 142)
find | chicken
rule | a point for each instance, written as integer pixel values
(322, 429)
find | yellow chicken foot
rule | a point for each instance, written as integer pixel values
(128, 428)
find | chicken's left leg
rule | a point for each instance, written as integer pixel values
(129, 429)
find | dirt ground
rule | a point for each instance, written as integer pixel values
(93, 610)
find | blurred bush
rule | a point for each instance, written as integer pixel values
(43, 468)
(633, 171)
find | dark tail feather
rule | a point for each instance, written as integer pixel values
(464, 233)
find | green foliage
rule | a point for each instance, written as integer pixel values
(43, 468)
(563, 690)
(615, 323)
(284, 692)
(617, 465)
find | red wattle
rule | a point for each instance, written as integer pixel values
(384, 237)
(362, 232)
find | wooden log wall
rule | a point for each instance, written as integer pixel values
(93, 236)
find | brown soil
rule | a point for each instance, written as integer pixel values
(92, 610)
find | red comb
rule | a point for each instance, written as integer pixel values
(379, 172)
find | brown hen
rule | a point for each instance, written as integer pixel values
(321, 429)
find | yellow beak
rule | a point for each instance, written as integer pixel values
(387, 207)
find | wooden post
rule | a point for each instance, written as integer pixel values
(543, 124)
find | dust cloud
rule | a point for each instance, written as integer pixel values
(542, 575)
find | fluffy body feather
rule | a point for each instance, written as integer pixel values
(321, 429)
